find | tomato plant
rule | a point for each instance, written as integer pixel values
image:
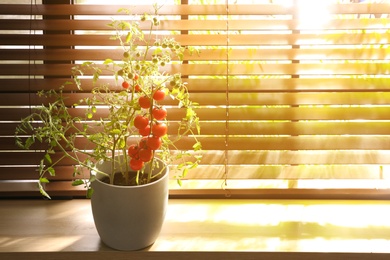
(131, 115)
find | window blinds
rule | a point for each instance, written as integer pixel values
(292, 103)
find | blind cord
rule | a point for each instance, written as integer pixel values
(226, 161)
(32, 2)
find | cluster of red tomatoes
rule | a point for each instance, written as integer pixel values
(149, 127)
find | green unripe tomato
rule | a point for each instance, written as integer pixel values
(156, 22)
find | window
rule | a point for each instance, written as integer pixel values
(293, 103)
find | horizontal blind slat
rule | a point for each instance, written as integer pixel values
(247, 25)
(258, 127)
(365, 142)
(247, 113)
(269, 54)
(236, 99)
(219, 69)
(206, 40)
(254, 85)
(215, 172)
(247, 9)
(280, 159)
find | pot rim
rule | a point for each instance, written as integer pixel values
(164, 175)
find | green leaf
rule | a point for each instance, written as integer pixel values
(197, 146)
(122, 10)
(51, 171)
(53, 143)
(29, 142)
(48, 158)
(77, 182)
(193, 166)
(115, 132)
(87, 63)
(43, 192)
(197, 125)
(121, 144)
(180, 56)
(157, 51)
(43, 180)
(41, 166)
(190, 113)
(89, 193)
(108, 61)
(92, 178)
(128, 37)
(185, 171)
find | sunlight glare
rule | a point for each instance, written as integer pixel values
(312, 14)
(276, 225)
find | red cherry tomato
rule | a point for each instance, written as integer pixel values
(159, 95)
(154, 142)
(145, 155)
(159, 129)
(125, 84)
(133, 151)
(137, 88)
(145, 131)
(136, 164)
(143, 143)
(144, 102)
(159, 113)
(140, 122)
(135, 76)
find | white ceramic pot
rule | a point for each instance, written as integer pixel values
(129, 217)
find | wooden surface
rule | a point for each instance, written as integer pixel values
(206, 229)
(191, 256)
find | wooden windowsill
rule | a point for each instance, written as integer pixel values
(210, 229)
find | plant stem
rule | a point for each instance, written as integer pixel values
(151, 164)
